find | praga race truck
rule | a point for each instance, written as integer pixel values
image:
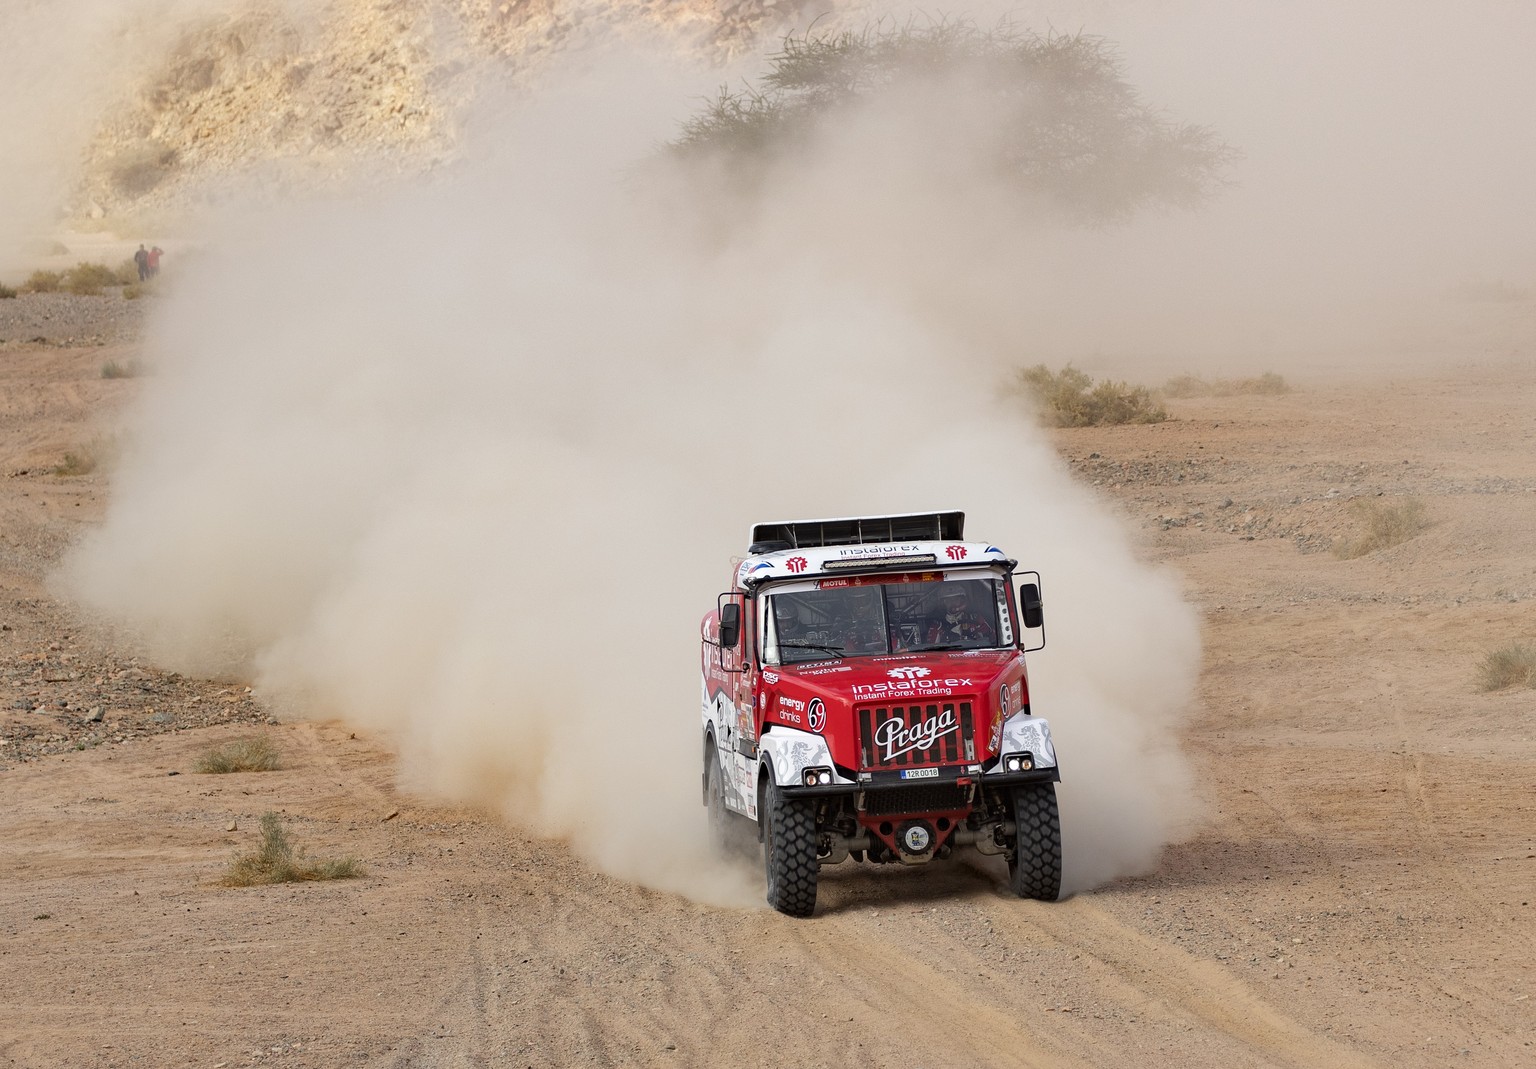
(865, 698)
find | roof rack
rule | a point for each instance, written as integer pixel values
(858, 531)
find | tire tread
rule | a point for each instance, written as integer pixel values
(1034, 870)
(789, 849)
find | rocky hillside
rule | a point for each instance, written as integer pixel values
(287, 99)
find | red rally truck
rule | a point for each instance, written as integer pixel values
(865, 697)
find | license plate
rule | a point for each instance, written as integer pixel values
(919, 773)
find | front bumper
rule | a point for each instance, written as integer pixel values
(888, 781)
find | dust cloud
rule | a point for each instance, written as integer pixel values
(1377, 218)
(466, 463)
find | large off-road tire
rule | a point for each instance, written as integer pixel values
(1034, 867)
(789, 851)
(730, 832)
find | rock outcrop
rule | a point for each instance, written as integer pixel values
(284, 100)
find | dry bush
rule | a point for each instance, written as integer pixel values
(1070, 398)
(276, 860)
(255, 754)
(87, 458)
(1386, 524)
(42, 282)
(81, 463)
(87, 280)
(6, 292)
(127, 369)
(1512, 666)
(127, 272)
(1194, 386)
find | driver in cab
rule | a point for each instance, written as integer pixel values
(958, 624)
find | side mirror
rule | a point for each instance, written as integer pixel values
(1030, 605)
(730, 625)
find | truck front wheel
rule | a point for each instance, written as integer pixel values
(1034, 867)
(789, 851)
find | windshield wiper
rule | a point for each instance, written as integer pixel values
(949, 647)
(812, 646)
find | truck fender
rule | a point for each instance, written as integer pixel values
(784, 753)
(1022, 732)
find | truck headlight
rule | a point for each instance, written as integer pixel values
(1018, 762)
(816, 777)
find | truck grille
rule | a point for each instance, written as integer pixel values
(917, 798)
(907, 736)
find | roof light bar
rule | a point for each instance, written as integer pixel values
(849, 563)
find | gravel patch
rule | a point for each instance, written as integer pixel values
(64, 319)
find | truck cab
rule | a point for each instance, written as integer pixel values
(866, 698)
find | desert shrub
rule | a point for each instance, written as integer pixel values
(88, 279)
(254, 754)
(82, 463)
(1196, 386)
(276, 860)
(82, 460)
(1512, 666)
(6, 292)
(128, 369)
(42, 282)
(1070, 398)
(1387, 523)
(127, 272)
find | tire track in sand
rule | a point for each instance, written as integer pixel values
(1167, 979)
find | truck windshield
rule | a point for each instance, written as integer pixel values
(857, 618)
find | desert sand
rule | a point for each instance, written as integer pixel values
(1361, 895)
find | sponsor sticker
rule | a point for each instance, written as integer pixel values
(796, 564)
(912, 686)
(955, 552)
(878, 580)
(894, 738)
(816, 715)
(919, 773)
(866, 550)
(915, 671)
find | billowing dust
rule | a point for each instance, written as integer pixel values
(469, 462)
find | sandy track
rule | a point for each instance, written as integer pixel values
(1362, 895)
